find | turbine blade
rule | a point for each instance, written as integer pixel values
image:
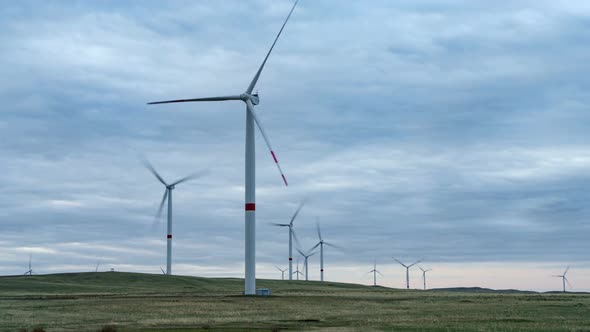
(280, 225)
(251, 110)
(332, 245)
(567, 269)
(300, 252)
(568, 283)
(193, 176)
(159, 214)
(379, 273)
(397, 260)
(297, 211)
(161, 269)
(297, 243)
(312, 248)
(195, 100)
(313, 253)
(255, 79)
(319, 231)
(151, 168)
(416, 262)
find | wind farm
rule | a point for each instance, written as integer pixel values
(417, 130)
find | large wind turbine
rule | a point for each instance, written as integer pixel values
(309, 254)
(168, 196)
(250, 99)
(564, 278)
(321, 244)
(374, 271)
(424, 275)
(407, 270)
(282, 272)
(291, 235)
(30, 270)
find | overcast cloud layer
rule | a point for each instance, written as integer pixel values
(452, 131)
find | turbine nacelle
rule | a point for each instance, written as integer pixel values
(253, 98)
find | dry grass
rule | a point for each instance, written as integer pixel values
(133, 302)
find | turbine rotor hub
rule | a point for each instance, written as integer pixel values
(254, 99)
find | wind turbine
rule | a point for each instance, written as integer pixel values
(291, 235)
(97, 265)
(424, 275)
(168, 196)
(407, 270)
(305, 263)
(564, 278)
(321, 245)
(297, 272)
(30, 271)
(282, 272)
(374, 271)
(250, 99)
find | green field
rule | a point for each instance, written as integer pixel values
(139, 302)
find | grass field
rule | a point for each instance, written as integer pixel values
(139, 302)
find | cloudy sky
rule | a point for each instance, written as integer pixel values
(450, 131)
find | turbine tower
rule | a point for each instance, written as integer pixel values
(321, 244)
(252, 120)
(291, 236)
(374, 271)
(407, 270)
(564, 278)
(30, 270)
(168, 197)
(424, 275)
(282, 272)
(305, 266)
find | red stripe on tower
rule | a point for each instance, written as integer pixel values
(250, 207)
(169, 236)
(284, 179)
(273, 156)
(290, 258)
(322, 270)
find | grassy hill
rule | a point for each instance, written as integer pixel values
(140, 302)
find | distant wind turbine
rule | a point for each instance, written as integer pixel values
(168, 196)
(250, 99)
(407, 270)
(297, 272)
(97, 265)
(282, 272)
(321, 244)
(424, 275)
(30, 270)
(374, 271)
(291, 236)
(305, 266)
(564, 278)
